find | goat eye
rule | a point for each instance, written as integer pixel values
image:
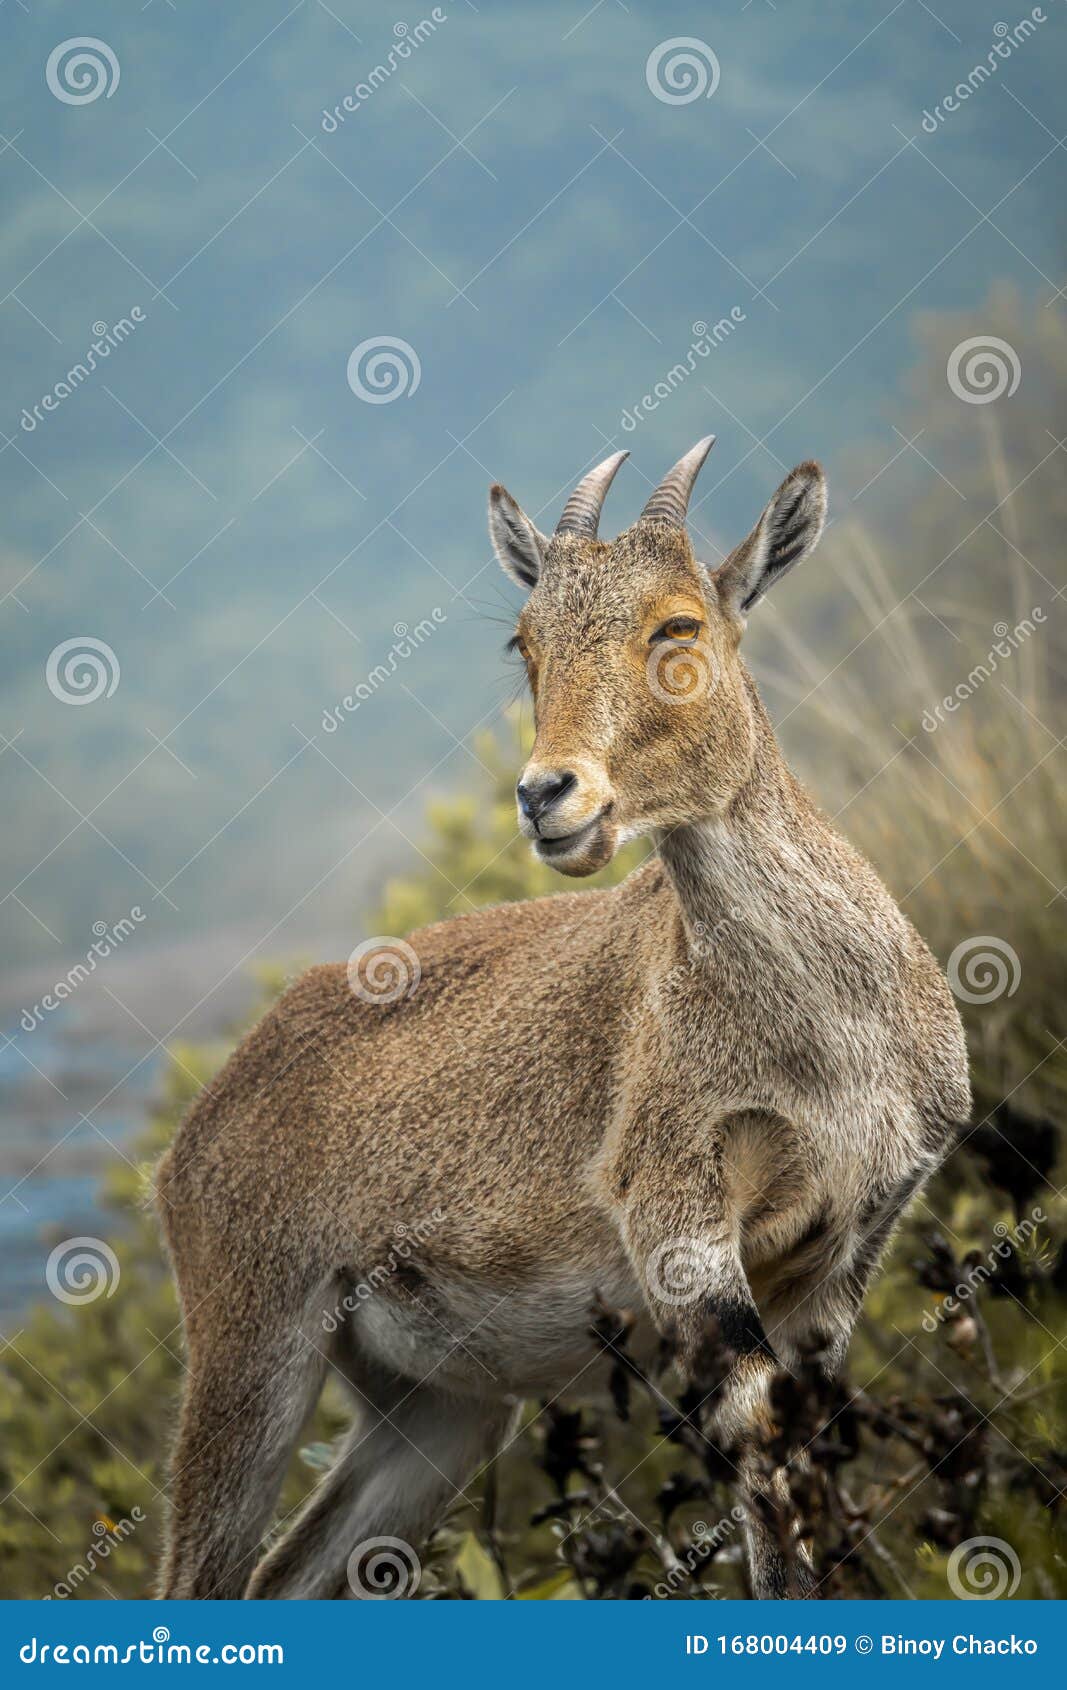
(678, 628)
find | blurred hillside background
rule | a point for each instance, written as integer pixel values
(250, 540)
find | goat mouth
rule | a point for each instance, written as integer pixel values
(565, 843)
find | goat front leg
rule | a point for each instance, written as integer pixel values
(682, 1236)
(681, 1229)
(670, 1181)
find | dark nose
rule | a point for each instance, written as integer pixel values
(537, 796)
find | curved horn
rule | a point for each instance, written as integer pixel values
(581, 513)
(670, 501)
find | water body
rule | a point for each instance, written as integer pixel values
(76, 1090)
(58, 1140)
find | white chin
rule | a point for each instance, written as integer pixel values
(580, 853)
(569, 845)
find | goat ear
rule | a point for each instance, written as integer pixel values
(519, 546)
(786, 532)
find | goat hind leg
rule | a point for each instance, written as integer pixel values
(409, 1455)
(247, 1395)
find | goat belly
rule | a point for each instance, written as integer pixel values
(491, 1339)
